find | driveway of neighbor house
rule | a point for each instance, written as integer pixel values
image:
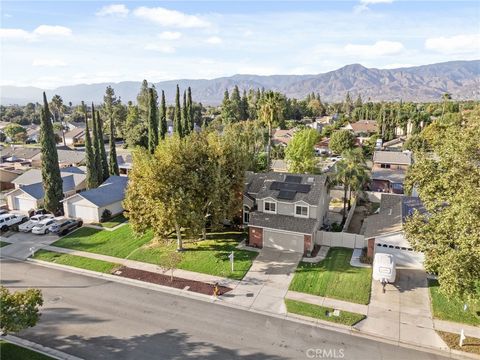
(266, 283)
(403, 312)
(21, 243)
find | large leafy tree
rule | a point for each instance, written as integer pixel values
(341, 141)
(19, 310)
(152, 121)
(51, 178)
(15, 132)
(449, 187)
(90, 159)
(299, 154)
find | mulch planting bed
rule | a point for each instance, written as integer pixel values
(160, 279)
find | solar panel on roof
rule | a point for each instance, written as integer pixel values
(286, 195)
(293, 179)
(302, 188)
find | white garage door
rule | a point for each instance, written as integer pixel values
(24, 204)
(283, 241)
(404, 256)
(86, 213)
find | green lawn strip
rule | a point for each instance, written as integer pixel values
(75, 261)
(334, 277)
(470, 344)
(320, 312)
(116, 220)
(452, 309)
(11, 351)
(3, 243)
(208, 257)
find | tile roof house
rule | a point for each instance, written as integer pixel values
(389, 170)
(284, 211)
(282, 137)
(384, 231)
(363, 127)
(89, 205)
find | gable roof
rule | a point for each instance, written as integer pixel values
(399, 140)
(364, 126)
(34, 176)
(111, 190)
(66, 156)
(393, 157)
(74, 133)
(392, 175)
(19, 152)
(36, 190)
(282, 222)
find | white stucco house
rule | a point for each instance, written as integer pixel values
(89, 205)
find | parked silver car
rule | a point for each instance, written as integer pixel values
(34, 220)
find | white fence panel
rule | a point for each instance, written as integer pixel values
(340, 239)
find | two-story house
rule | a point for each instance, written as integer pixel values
(284, 211)
(389, 170)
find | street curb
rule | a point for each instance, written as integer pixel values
(56, 354)
(454, 354)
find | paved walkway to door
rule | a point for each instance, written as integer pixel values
(265, 285)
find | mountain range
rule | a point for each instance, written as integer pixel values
(420, 83)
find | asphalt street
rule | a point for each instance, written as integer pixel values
(99, 319)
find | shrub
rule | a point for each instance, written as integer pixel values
(106, 215)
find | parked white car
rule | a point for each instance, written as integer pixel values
(42, 227)
(34, 220)
(8, 220)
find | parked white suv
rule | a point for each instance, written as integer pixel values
(8, 220)
(42, 226)
(34, 220)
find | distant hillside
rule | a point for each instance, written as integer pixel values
(419, 83)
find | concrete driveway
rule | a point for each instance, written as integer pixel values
(403, 312)
(22, 242)
(266, 283)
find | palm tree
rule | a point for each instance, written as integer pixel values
(351, 172)
(271, 107)
(57, 105)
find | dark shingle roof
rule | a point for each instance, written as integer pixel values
(283, 222)
(112, 190)
(36, 190)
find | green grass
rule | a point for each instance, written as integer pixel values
(75, 261)
(334, 277)
(452, 309)
(116, 220)
(9, 351)
(208, 257)
(3, 243)
(320, 312)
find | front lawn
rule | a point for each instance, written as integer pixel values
(208, 257)
(3, 243)
(116, 220)
(322, 313)
(334, 277)
(75, 261)
(452, 309)
(9, 351)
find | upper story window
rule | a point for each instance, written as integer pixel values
(301, 210)
(385, 166)
(269, 206)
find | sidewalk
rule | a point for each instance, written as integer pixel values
(328, 302)
(184, 274)
(456, 328)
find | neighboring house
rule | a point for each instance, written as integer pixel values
(389, 170)
(384, 231)
(279, 165)
(33, 133)
(89, 205)
(394, 145)
(18, 153)
(125, 163)
(363, 128)
(75, 136)
(282, 137)
(7, 175)
(320, 122)
(285, 211)
(75, 125)
(66, 157)
(323, 147)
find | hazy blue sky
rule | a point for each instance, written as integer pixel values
(49, 44)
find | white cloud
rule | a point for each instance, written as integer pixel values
(52, 30)
(166, 49)
(113, 10)
(15, 34)
(49, 62)
(215, 40)
(364, 4)
(397, 66)
(170, 35)
(458, 44)
(165, 17)
(380, 48)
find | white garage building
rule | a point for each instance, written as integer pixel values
(384, 231)
(89, 205)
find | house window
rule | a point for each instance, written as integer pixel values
(246, 214)
(269, 206)
(385, 166)
(301, 210)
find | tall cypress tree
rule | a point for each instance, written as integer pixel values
(163, 117)
(51, 178)
(177, 119)
(112, 156)
(101, 145)
(191, 120)
(185, 120)
(92, 170)
(152, 122)
(96, 147)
